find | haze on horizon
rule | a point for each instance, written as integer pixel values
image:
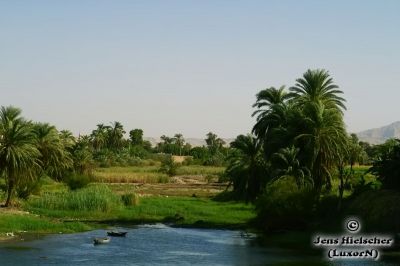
(192, 67)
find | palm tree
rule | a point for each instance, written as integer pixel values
(214, 143)
(317, 87)
(99, 136)
(324, 137)
(287, 163)
(247, 169)
(323, 134)
(116, 135)
(179, 141)
(67, 139)
(18, 152)
(82, 156)
(272, 114)
(270, 106)
(54, 157)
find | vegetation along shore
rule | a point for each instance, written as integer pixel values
(297, 171)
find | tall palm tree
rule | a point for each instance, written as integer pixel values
(272, 115)
(67, 139)
(99, 136)
(270, 111)
(18, 152)
(54, 157)
(179, 141)
(247, 169)
(324, 132)
(324, 138)
(116, 135)
(317, 87)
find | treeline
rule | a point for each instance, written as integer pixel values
(30, 150)
(298, 161)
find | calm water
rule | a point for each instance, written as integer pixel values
(152, 245)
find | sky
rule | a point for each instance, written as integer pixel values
(192, 67)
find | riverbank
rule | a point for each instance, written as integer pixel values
(179, 211)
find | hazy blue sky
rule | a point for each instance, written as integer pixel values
(192, 66)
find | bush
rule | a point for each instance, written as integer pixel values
(378, 209)
(168, 166)
(28, 187)
(283, 206)
(130, 199)
(92, 198)
(76, 181)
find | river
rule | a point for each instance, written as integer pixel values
(154, 245)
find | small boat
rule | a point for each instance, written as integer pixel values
(101, 240)
(116, 233)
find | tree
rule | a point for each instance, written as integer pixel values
(99, 136)
(271, 106)
(82, 156)
(179, 141)
(246, 167)
(19, 156)
(116, 134)
(214, 143)
(324, 133)
(387, 167)
(316, 87)
(54, 158)
(136, 136)
(286, 163)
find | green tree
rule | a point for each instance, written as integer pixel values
(82, 156)
(387, 167)
(136, 136)
(115, 137)
(99, 137)
(246, 168)
(214, 143)
(180, 142)
(286, 163)
(324, 132)
(19, 156)
(54, 158)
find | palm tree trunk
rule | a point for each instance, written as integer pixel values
(10, 191)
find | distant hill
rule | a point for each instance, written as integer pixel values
(195, 142)
(380, 135)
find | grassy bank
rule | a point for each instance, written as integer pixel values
(132, 195)
(182, 211)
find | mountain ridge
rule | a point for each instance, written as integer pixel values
(380, 134)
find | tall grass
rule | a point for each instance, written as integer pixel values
(143, 174)
(92, 198)
(200, 170)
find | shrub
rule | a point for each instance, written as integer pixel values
(28, 187)
(168, 166)
(283, 206)
(378, 209)
(130, 199)
(75, 181)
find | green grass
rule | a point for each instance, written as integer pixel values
(133, 174)
(92, 198)
(195, 212)
(150, 174)
(31, 223)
